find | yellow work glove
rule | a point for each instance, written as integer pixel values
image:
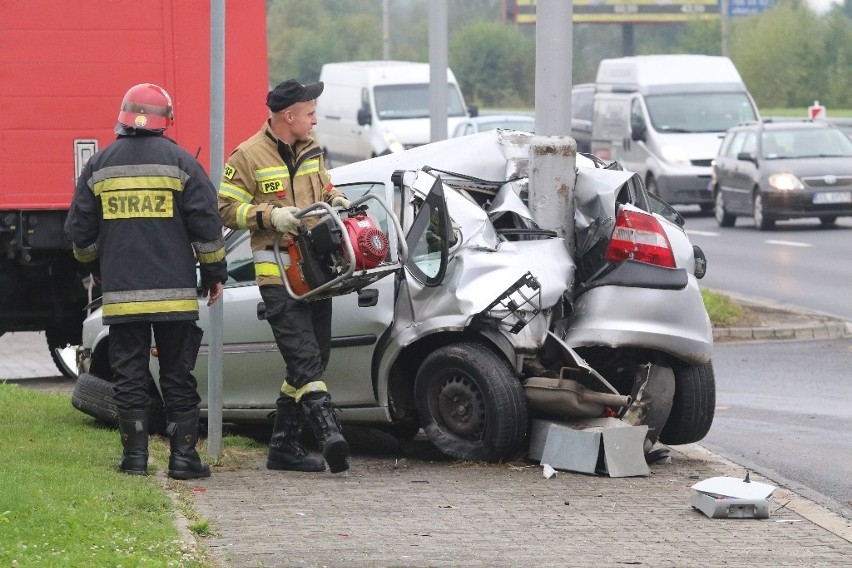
(341, 202)
(284, 220)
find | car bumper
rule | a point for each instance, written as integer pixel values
(801, 204)
(685, 189)
(623, 316)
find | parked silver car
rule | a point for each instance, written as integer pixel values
(485, 302)
(483, 122)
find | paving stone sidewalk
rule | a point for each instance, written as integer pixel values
(422, 510)
(410, 507)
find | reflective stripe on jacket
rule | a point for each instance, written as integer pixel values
(143, 211)
(257, 178)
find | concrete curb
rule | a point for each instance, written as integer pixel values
(783, 322)
(823, 330)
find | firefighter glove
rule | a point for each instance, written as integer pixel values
(341, 202)
(285, 221)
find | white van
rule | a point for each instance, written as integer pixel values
(663, 117)
(371, 108)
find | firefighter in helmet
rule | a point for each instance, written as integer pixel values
(266, 180)
(143, 213)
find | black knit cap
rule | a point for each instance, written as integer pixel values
(291, 92)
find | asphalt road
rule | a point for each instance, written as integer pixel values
(783, 409)
(799, 264)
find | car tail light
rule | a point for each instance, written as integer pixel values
(640, 237)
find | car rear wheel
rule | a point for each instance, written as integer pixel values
(470, 404)
(694, 405)
(828, 221)
(723, 218)
(762, 221)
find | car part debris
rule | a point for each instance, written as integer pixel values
(600, 445)
(731, 498)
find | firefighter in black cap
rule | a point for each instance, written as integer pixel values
(269, 177)
(143, 212)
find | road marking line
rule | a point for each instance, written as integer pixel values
(788, 243)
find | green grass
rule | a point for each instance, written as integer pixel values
(803, 112)
(63, 503)
(723, 311)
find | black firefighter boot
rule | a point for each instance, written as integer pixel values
(285, 451)
(184, 461)
(326, 427)
(133, 427)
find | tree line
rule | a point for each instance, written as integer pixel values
(788, 55)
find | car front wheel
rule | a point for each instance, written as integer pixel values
(762, 221)
(470, 403)
(723, 218)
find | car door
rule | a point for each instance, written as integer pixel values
(359, 319)
(744, 172)
(634, 153)
(252, 367)
(726, 167)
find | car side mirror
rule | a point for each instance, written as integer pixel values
(637, 131)
(365, 116)
(746, 157)
(473, 110)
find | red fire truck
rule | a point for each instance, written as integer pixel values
(64, 68)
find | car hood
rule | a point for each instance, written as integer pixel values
(809, 167)
(696, 146)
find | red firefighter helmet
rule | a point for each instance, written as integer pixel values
(146, 107)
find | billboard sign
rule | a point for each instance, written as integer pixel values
(738, 8)
(625, 11)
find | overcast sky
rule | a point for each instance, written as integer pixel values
(822, 6)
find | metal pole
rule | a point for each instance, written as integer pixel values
(438, 69)
(553, 151)
(217, 144)
(385, 31)
(553, 68)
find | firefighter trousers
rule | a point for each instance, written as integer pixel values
(130, 350)
(302, 332)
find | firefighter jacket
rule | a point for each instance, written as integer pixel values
(261, 174)
(143, 210)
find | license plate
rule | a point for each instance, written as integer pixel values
(833, 197)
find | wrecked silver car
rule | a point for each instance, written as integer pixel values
(486, 310)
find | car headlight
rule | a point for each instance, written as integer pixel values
(675, 155)
(785, 182)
